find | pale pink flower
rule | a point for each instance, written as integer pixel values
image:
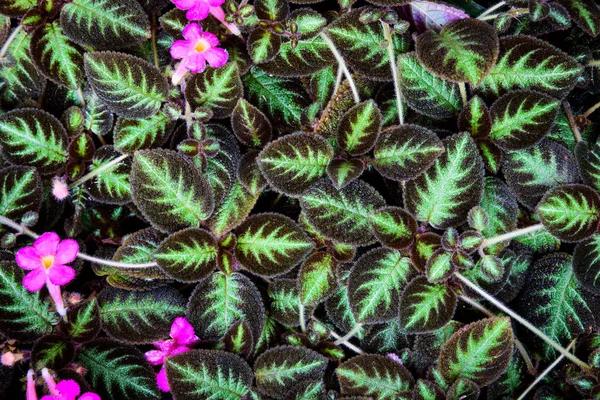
(46, 260)
(60, 189)
(195, 51)
(65, 390)
(31, 393)
(9, 358)
(198, 10)
(182, 336)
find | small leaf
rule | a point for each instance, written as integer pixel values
(585, 13)
(465, 50)
(217, 89)
(250, 125)
(405, 152)
(169, 190)
(586, 263)
(463, 389)
(272, 10)
(394, 227)
(249, 173)
(342, 215)
(295, 162)
(188, 255)
(500, 204)
(316, 278)
(359, 128)
(522, 118)
(376, 376)
(281, 366)
(135, 134)
(263, 45)
(35, 138)
(479, 351)
(84, 321)
(204, 374)
(339, 312)
(16, 8)
(233, 210)
(239, 340)
(570, 212)
(427, 390)
(439, 267)
(111, 185)
(285, 302)
(426, 307)
(450, 187)
(20, 192)
(271, 244)
(53, 352)
(127, 85)
(98, 118)
(475, 118)
(375, 284)
(342, 172)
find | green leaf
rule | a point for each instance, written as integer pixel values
(111, 185)
(426, 93)
(425, 245)
(309, 56)
(105, 24)
(84, 321)
(427, 390)
(134, 134)
(217, 89)
(426, 307)
(321, 85)
(479, 351)
(208, 374)
(295, 162)
(463, 389)
(500, 204)
(263, 45)
(139, 317)
(221, 300)
(170, 190)
(342, 172)
(522, 118)
(450, 187)
(281, 366)
(339, 312)
(585, 13)
(394, 227)
(439, 267)
(118, 371)
(512, 382)
(53, 352)
(359, 128)
(23, 316)
(307, 390)
(249, 173)
(463, 51)
(233, 210)
(127, 85)
(588, 161)
(405, 152)
(220, 170)
(316, 278)
(310, 22)
(98, 118)
(285, 302)
(342, 215)
(529, 63)
(375, 376)
(188, 255)
(239, 339)
(475, 118)
(282, 99)
(586, 263)
(272, 10)
(35, 138)
(56, 56)
(20, 191)
(570, 212)
(250, 125)
(271, 244)
(375, 283)
(16, 8)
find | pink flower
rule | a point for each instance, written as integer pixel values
(182, 334)
(9, 358)
(196, 50)
(31, 393)
(46, 260)
(198, 10)
(60, 190)
(65, 390)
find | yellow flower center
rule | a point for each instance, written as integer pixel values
(48, 261)
(202, 45)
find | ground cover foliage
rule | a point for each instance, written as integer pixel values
(273, 199)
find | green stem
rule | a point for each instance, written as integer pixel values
(491, 9)
(521, 320)
(390, 49)
(10, 39)
(342, 64)
(99, 170)
(348, 335)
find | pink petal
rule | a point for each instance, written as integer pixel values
(218, 13)
(216, 57)
(215, 3)
(179, 350)
(211, 38)
(49, 398)
(184, 4)
(192, 32)
(61, 274)
(166, 346)
(198, 12)
(30, 393)
(182, 331)
(196, 62)
(89, 396)
(28, 258)
(69, 389)
(179, 72)
(180, 49)
(35, 280)
(161, 380)
(46, 244)
(66, 251)
(155, 357)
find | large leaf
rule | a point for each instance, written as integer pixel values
(208, 374)
(127, 85)
(445, 193)
(134, 134)
(529, 63)
(394, 227)
(20, 191)
(405, 152)
(56, 56)
(500, 204)
(217, 89)
(98, 118)
(316, 278)
(233, 210)
(110, 185)
(479, 351)
(425, 92)
(586, 263)
(139, 317)
(170, 190)
(375, 283)
(250, 125)
(426, 307)
(271, 244)
(285, 305)
(475, 118)
(522, 118)
(295, 162)
(52, 352)
(570, 212)
(263, 45)
(118, 371)
(84, 321)
(23, 316)
(359, 128)
(585, 13)
(464, 51)
(281, 366)
(342, 215)
(309, 55)
(105, 24)
(35, 138)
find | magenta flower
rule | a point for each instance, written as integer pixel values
(65, 390)
(46, 260)
(196, 50)
(182, 334)
(198, 10)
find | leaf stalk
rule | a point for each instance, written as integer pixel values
(98, 171)
(348, 335)
(342, 64)
(8, 42)
(390, 50)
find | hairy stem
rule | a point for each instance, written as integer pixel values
(338, 79)
(491, 9)
(301, 314)
(594, 63)
(463, 92)
(510, 235)
(8, 42)
(521, 320)
(347, 344)
(97, 171)
(188, 114)
(342, 64)
(514, 13)
(390, 49)
(348, 335)
(591, 109)
(81, 97)
(154, 49)
(572, 122)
